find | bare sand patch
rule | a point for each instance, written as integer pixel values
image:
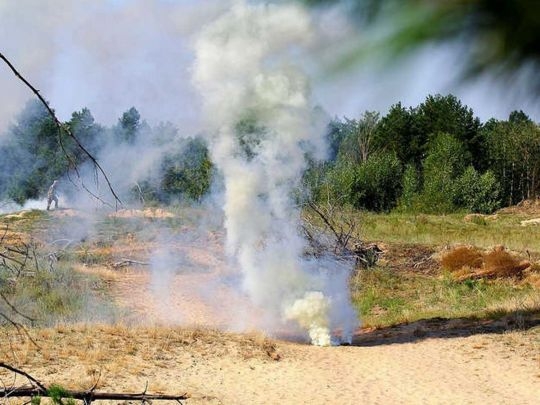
(215, 367)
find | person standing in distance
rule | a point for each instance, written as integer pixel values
(52, 196)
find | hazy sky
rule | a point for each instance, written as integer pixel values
(109, 55)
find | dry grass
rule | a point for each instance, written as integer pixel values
(469, 262)
(105, 352)
(146, 213)
(500, 263)
(462, 256)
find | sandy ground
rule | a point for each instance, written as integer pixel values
(432, 362)
(216, 368)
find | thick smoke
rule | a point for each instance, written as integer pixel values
(243, 72)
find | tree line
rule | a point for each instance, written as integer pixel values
(437, 157)
(35, 153)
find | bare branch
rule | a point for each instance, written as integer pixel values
(65, 128)
(20, 372)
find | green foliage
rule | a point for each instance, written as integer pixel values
(433, 158)
(250, 133)
(339, 184)
(32, 157)
(58, 394)
(88, 132)
(496, 36)
(396, 133)
(513, 149)
(477, 193)
(357, 142)
(410, 132)
(35, 400)
(409, 199)
(377, 183)
(445, 114)
(128, 126)
(187, 173)
(446, 160)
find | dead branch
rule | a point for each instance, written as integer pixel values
(65, 128)
(343, 234)
(88, 396)
(24, 374)
(127, 262)
(365, 254)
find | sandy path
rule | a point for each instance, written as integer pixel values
(431, 372)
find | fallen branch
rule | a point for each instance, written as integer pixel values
(127, 262)
(88, 396)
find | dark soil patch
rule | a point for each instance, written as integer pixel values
(414, 258)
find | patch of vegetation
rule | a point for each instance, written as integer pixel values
(451, 229)
(385, 298)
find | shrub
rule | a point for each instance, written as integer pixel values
(409, 199)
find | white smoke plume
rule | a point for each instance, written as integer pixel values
(243, 69)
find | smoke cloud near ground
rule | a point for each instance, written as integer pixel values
(247, 69)
(243, 68)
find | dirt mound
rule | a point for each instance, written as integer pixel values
(529, 207)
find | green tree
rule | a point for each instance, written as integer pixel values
(409, 199)
(128, 126)
(398, 134)
(446, 160)
(513, 149)
(187, 173)
(358, 137)
(445, 114)
(32, 158)
(377, 183)
(88, 132)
